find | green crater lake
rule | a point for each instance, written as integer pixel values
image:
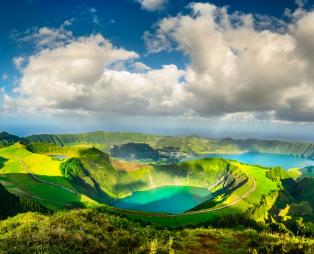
(168, 199)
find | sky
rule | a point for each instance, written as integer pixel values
(241, 69)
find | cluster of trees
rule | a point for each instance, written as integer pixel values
(72, 168)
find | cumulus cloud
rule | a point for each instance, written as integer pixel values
(80, 77)
(152, 5)
(238, 69)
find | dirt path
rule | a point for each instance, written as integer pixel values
(26, 168)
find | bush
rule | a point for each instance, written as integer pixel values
(72, 168)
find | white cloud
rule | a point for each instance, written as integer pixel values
(80, 77)
(18, 61)
(139, 67)
(80, 62)
(46, 37)
(68, 22)
(152, 5)
(238, 70)
(156, 42)
(236, 67)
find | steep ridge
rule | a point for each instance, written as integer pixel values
(94, 170)
(7, 139)
(190, 144)
(299, 149)
(99, 137)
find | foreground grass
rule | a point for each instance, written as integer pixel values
(89, 231)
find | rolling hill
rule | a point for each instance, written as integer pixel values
(8, 139)
(89, 172)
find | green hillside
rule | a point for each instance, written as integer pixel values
(87, 176)
(184, 144)
(8, 139)
(89, 231)
(38, 176)
(260, 209)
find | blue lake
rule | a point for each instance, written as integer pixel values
(169, 199)
(264, 159)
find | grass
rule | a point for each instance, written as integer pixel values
(88, 231)
(121, 181)
(43, 167)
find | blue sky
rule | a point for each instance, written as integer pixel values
(169, 67)
(123, 22)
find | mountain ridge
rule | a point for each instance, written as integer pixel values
(187, 144)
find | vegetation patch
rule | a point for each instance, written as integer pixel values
(93, 232)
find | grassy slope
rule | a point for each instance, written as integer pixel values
(88, 231)
(117, 183)
(115, 179)
(22, 183)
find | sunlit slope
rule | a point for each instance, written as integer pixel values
(115, 179)
(88, 174)
(37, 176)
(228, 180)
(237, 187)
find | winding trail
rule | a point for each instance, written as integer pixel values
(26, 168)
